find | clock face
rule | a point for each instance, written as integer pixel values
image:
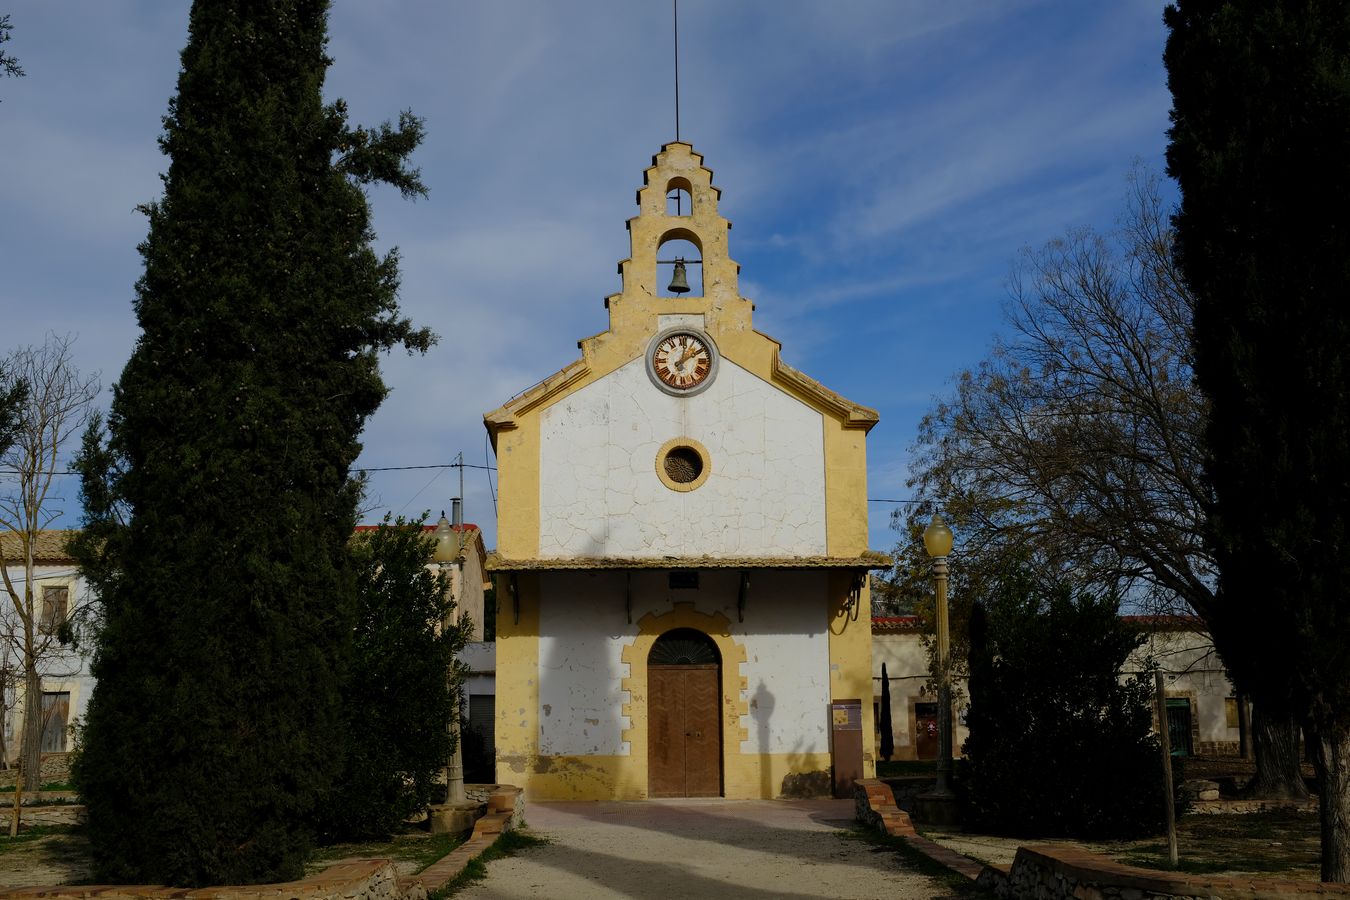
(682, 360)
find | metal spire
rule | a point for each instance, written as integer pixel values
(675, 6)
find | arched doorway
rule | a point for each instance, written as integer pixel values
(684, 723)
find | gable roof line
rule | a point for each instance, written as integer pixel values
(504, 416)
(854, 415)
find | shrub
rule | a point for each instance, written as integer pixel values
(1060, 744)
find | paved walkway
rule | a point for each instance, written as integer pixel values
(672, 849)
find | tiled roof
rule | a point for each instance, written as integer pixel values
(868, 560)
(1143, 623)
(1168, 623)
(49, 548)
(466, 527)
(897, 623)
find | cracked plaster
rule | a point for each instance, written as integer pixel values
(586, 650)
(600, 494)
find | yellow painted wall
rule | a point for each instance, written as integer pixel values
(517, 703)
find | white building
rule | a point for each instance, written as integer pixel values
(58, 592)
(1202, 711)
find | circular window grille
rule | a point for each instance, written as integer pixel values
(683, 465)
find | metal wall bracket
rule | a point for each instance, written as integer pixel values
(742, 595)
(853, 605)
(515, 597)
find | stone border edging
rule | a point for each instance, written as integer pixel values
(876, 809)
(362, 878)
(352, 879)
(505, 806)
(1071, 872)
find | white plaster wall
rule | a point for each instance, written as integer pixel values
(62, 668)
(788, 662)
(600, 494)
(1192, 668)
(583, 630)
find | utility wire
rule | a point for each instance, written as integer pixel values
(463, 465)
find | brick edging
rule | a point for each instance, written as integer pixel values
(348, 878)
(352, 878)
(876, 809)
(503, 814)
(1078, 872)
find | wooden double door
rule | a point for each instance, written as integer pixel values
(684, 737)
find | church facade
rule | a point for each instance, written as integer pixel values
(682, 545)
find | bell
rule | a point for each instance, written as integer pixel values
(679, 282)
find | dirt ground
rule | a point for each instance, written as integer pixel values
(1274, 844)
(44, 858)
(786, 850)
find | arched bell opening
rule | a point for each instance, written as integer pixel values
(684, 722)
(679, 264)
(679, 197)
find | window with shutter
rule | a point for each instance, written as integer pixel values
(55, 601)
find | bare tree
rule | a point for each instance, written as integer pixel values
(1079, 441)
(56, 406)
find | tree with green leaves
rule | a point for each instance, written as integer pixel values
(1059, 745)
(8, 64)
(1260, 146)
(221, 505)
(1080, 441)
(13, 392)
(402, 685)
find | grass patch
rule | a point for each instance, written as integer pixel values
(958, 884)
(31, 834)
(416, 846)
(1277, 842)
(900, 768)
(509, 843)
(49, 786)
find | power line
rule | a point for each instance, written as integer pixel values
(463, 465)
(452, 465)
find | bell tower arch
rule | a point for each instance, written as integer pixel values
(677, 168)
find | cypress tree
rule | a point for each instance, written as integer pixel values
(1260, 146)
(220, 510)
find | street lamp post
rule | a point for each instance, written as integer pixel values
(937, 540)
(447, 553)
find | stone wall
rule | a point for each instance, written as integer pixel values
(365, 879)
(905, 789)
(55, 768)
(57, 814)
(479, 793)
(1064, 873)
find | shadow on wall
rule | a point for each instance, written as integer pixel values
(798, 781)
(761, 708)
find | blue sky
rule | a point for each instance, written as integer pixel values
(883, 164)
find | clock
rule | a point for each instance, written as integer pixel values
(681, 361)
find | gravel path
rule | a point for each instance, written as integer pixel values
(674, 849)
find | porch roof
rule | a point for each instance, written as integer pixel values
(870, 559)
